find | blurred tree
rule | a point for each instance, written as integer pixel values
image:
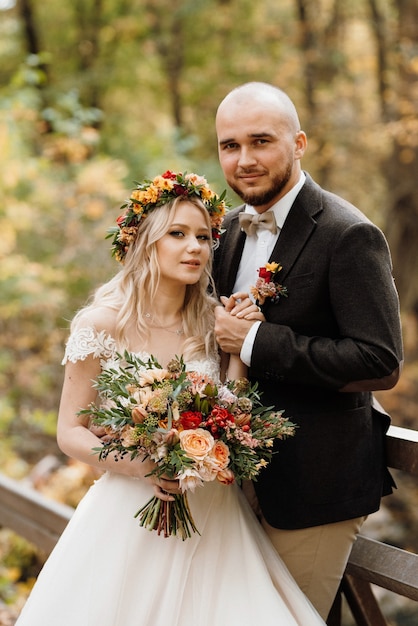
(401, 168)
(30, 30)
(385, 41)
(167, 31)
(322, 62)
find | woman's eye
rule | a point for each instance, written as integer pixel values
(176, 233)
(203, 237)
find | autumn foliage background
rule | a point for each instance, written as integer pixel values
(96, 94)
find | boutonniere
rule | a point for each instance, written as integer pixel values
(267, 285)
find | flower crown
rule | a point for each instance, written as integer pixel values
(152, 194)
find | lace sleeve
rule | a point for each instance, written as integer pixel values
(85, 341)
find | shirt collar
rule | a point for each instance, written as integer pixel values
(282, 207)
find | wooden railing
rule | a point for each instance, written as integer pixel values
(31, 515)
(372, 562)
(41, 521)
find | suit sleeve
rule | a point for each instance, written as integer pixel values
(364, 303)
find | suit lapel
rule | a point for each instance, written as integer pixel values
(232, 247)
(298, 227)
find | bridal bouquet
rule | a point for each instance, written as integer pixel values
(192, 428)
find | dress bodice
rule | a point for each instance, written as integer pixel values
(87, 341)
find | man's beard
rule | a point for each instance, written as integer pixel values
(260, 199)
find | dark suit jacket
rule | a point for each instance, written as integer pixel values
(340, 323)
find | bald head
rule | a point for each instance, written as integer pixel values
(263, 95)
(260, 143)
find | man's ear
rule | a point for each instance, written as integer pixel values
(301, 143)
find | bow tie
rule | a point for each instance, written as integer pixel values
(251, 223)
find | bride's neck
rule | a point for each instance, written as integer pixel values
(166, 310)
(163, 318)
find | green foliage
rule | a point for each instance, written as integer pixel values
(45, 421)
(19, 562)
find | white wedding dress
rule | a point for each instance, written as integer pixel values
(106, 570)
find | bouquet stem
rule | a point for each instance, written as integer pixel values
(168, 517)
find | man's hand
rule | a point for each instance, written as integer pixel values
(230, 330)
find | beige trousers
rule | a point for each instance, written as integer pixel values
(316, 557)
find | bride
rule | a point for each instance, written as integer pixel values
(107, 570)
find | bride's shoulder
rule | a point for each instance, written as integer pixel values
(101, 318)
(92, 333)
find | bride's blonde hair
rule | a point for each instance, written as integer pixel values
(135, 286)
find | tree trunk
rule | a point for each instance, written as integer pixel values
(31, 35)
(383, 46)
(320, 67)
(167, 30)
(88, 18)
(401, 169)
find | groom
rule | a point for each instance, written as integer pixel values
(322, 350)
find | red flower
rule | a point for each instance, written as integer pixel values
(180, 190)
(191, 419)
(120, 220)
(220, 415)
(264, 273)
(169, 175)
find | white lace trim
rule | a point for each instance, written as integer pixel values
(86, 341)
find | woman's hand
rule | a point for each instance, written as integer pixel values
(165, 488)
(241, 305)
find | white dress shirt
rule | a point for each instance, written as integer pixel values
(256, 253)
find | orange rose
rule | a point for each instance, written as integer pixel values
(196, 443)
(220, 452)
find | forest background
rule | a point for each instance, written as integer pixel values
(96, 94)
